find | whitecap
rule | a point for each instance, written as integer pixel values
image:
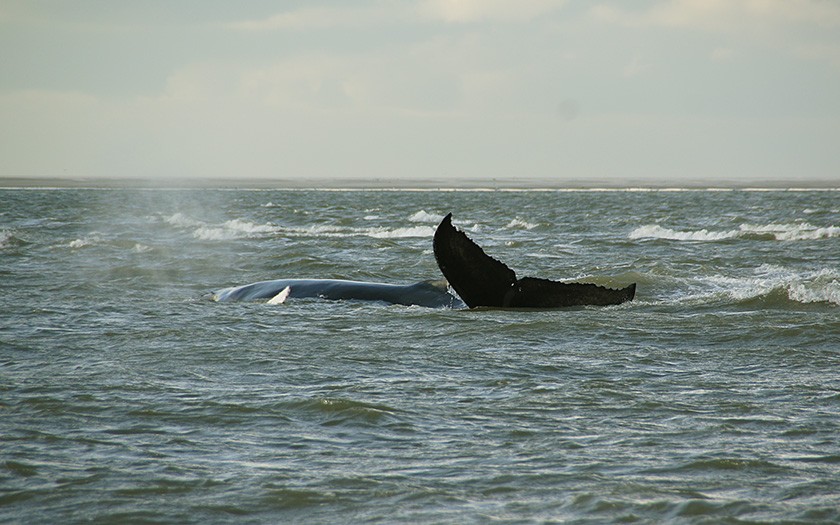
(519, 224)
(424, 216)
(84, 241)
(326, 230)
(816, 292)
(214, 234)
(233, 229)
(317, 230)
(182, 221)
(249, 227)
(819, 286)
(793, 232)
(780, 232)
(7, 238)
(399, 233)
(655, 231)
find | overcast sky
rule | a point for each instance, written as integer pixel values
(736, 90)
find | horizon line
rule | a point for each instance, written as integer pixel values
(452, 184)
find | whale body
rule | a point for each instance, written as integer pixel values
(478, 279)
(432, 294)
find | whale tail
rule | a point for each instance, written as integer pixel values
(481, 280)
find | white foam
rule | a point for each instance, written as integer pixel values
(182, 221)
(233, 229)
(316, 230)
(655, 231)
(399, 233)
(6, 238)
(326, 230)
(519, 224)
(424, 216)
(817, 286)
(91, 240)
(780, 232)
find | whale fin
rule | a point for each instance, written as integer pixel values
(532, 292)
(281, 297)
(481, 280)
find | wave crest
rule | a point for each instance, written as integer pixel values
(8, 239)
(780, 232)
(519, 224)
(779, 286)
(233, 229)
(424, 216)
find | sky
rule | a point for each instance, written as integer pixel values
(667, 90)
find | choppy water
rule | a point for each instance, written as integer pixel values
(125, 397)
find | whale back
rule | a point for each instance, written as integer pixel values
(433, 294)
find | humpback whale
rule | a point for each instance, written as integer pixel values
(478, 279)
(432, 294)
(481, 280)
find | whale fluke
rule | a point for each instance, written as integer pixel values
(481, 280)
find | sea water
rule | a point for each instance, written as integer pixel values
(126, 397)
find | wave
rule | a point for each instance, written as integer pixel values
(233, 229)
(424, 216)
(240, 228)
(8, 239)
(773, 286)
(519, 224)
(339, 411)
(182, 221)
(398, 233)
(780, 232)
(654, 231)
(83, 242)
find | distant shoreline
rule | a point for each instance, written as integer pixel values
(524, 184)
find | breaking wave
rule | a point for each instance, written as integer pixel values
(780, 232)
(243, 229)
(774, 286)
(8, 239)
(182, 221)
(233, 229)
(83, 242)
(424, 216)
(519, 224)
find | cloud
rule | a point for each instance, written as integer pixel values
(635, 67)
(466, 11)
(726, 15)
(439, 76)
(308, 18)
(802, 28)
(722, 54)
(448, 11)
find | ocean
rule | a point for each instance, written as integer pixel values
(129, 397)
